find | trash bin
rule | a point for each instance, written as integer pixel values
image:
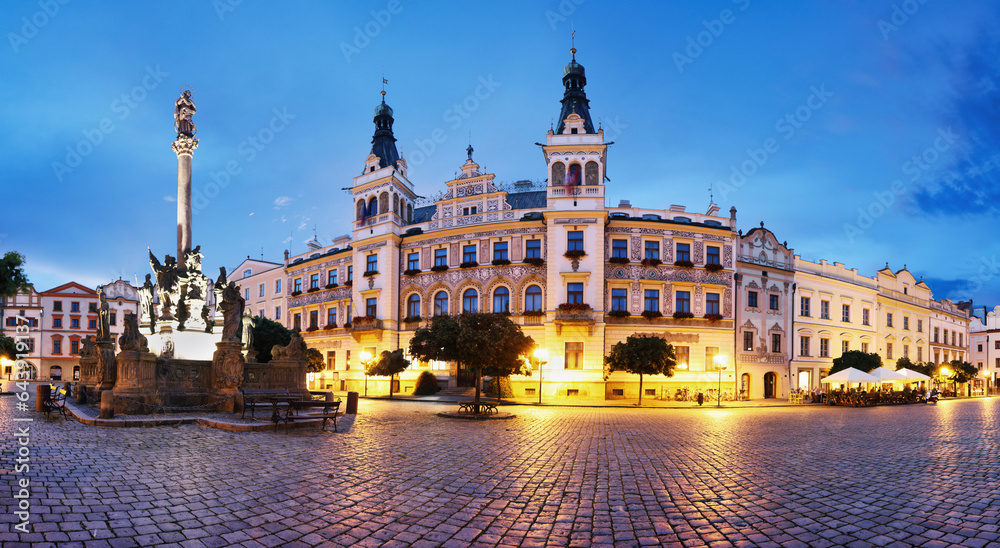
(352, 403)
(42, 393)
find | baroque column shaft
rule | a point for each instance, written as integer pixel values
(184, 147)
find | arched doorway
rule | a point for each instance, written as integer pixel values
(55, 373)
(770, 384)
(745, 386)
(25, 370)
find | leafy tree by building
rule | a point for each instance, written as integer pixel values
(314, 360)
(266, 334)
(641, 355)
(389, 365)
(13, 280)
(857, 359)
(489, 344)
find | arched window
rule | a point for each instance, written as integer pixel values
(76, 372)
(372, 206)
(409, 213)
(361, 210)
(395, 203)
(558, 174)
(470, 301)
(533, 299)
(574, 175)
(501, 300)
(384, 205)
(592, 174)
(413, 306)
(441, 304)
(55, 373)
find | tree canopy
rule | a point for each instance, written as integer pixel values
(13, 280)
(857, 359)
(267, 333)
(962, 372)
(389, 365)
(490, 344)
(8, 348)
(314, 360)
(641, 355)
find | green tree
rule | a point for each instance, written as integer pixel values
(389, 365)
(962, 372)
(12, 278)
(314, 360)
(641, 355)
(489, 344)
(266, 334)
(858, 360)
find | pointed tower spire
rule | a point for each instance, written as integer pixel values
(574, 98)
(383, 142)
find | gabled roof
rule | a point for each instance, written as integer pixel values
(66, 288)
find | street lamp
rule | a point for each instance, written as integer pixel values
(720, 364)
(541, 355)
(944, 372)
(366, 362)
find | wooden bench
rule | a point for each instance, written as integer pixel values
(270, 397)
(308, 410)
(484, 406)
(56, 402)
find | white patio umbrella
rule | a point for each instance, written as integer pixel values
(913, 376)
(849, 375)
(888, 375)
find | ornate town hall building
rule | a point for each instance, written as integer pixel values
(579, 276)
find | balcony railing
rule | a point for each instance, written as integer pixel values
(359, 324)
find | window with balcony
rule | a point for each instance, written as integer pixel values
(574, 293)
(371, 307)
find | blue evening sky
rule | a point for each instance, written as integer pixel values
(801, 114)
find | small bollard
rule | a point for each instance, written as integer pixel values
(42, 393)
(107, 405)
(352, 403)
(329, 396)
(81, 394)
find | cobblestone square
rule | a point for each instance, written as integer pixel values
(553, 476)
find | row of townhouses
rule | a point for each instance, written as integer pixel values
(741, 310)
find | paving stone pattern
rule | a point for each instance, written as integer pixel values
(553, 476)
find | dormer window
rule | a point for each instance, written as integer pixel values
(573, 131)
(247, 273)
(371, 169)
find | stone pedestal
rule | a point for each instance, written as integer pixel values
(290, 372)
(107, 405)
(107, 366)
(227, 374)
(135, 382)
(88, 372)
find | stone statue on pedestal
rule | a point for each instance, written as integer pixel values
(248, 326)
(103, 317)
(232, 306)
(166, 284)
(146, 301)
(183, 110)
(132, 339)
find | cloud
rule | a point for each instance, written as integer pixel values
(303, 225)
(168, 198)
(251, 214)
(281, 201)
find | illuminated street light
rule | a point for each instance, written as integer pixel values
(720, 364)
(366, 358)
(541, 357)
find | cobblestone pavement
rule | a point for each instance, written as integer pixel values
(402, 476)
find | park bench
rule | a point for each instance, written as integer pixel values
(270, 397)
(56, 402)
(484, 407)
(308, 410)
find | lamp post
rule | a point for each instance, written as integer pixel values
(944, 372)
(366, 362)
(720, 364)
(540, 357)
